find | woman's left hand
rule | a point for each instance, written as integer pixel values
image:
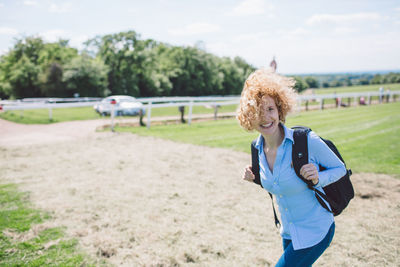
(309, 172)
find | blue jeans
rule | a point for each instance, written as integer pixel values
(307, 256)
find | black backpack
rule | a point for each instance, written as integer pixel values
(337, 194)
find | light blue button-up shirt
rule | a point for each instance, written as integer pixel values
(303, 219)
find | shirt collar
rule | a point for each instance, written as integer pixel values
(288, 135)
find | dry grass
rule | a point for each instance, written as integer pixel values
(142, 201)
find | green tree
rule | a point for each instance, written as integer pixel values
(23, 78)
(124, 55)
(391, 78)
(300, 85)
(52, 58)
(19, 69)
(86, 76)
(149, 68)
(377, 79)
(33, 68)
(312, 82)
(335, 83)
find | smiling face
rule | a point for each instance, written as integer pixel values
(268, 122)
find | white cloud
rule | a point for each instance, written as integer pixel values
(8, 31)
(250, 7)
(397, 9)
(250, 37)
(78, 40)
(345, 30)
(53, 35)
(60, 8)
(75, 41)
(299, 32)
(1, 5)
(196, 28)
(30, 3)
(346, 18)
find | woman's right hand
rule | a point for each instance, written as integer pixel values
(248, 174)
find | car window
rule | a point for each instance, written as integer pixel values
(128, 100)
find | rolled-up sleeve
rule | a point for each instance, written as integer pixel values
(321, 154)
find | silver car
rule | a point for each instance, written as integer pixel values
(124, 106)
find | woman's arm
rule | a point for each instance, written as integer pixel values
(320, 154)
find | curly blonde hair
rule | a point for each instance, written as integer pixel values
(259, 84)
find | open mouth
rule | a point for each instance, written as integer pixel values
(266, 125)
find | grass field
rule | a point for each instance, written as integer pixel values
(172, 211)
(22, 245)
(367, 137)
(357, 88)
(41, 116)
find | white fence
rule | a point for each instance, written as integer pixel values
(211, 101)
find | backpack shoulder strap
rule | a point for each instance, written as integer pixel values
(300, 157)
(300, 150)
(255, 165)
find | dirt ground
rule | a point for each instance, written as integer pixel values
(143, 201)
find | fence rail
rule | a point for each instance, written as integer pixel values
(211, 101)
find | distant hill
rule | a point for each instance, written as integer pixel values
(344, 73)
(337, 79)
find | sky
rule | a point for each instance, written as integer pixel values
(308, 36)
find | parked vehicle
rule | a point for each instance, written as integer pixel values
(124, 106)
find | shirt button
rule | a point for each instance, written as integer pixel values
(286, 209)
(280, 195)
(274, 182)
(290, 223)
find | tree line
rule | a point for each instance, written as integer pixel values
(121, 63)
(344, 79)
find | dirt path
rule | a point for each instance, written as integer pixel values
(143, 201)
(15, 134)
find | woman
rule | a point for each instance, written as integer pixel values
(307, 228)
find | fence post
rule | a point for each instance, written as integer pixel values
(148, 114)
(355, 101)
(190, 111)
(306, 105)
(369, 99)
(182, 111)
(321, 107)
(216, 106)
(112, 115)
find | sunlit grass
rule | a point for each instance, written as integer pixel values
(41, 116)
(367, 136)
(358, 88)
(50, 247)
